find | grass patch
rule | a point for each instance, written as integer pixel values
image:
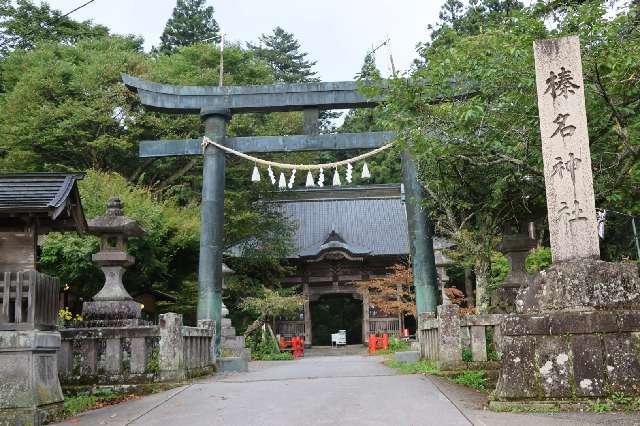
(524, 408)
(473, 379)
(598, 406)
(77, 403)
(395, 345)
(282, 356)
(423, 366)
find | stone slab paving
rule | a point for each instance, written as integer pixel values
(349, 390)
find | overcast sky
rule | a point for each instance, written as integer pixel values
(336, 33)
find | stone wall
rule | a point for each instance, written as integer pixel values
(444, 338)
(136, 354)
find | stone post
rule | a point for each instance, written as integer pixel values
(171, 348)
(420, 239)
(212, 221)
(210, 325)
(515, 247)
(450, 349)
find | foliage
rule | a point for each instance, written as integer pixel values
(538, 259)
(473, 379)
(264, 347)
(282, 356)
(153, 363)
(467, 355)
(191, 22)
(395, 345)
(468, 113)
(282, 52)
(165, 256)
(419, 367)
(499, 270)
(271, 304)
(65, 316)
(392, 294)
(600, 407)
(84, 401)
(24, 24)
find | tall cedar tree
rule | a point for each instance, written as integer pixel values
(191, 22)
(281, 51)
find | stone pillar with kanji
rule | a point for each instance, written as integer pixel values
(576, 329)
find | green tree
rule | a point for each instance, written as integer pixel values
(282, 52)
(469, 115)
(191, 22)
(24, 24)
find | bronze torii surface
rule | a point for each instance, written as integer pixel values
(216, 105)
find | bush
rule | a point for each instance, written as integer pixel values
(538, 259)
(473, 379)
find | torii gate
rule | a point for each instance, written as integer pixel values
(216, 105)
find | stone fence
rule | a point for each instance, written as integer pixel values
(136, 354)
(444, 338)
(28, 300)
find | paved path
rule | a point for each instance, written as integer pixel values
(338, 390)
(349, 390)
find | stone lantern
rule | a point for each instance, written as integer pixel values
(113, 302)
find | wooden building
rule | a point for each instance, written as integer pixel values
(33, 204)
(343, 235)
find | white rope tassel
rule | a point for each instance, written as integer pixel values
(310, 181)
(292, 178)
(282, 184)
(365, 171)
(271, 175)
(349, 174)
(255, 176)
(336, 178)
(321, 178)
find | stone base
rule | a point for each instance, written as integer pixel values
(233, 363)
(111, 310)
(29, 375)
(407, 356)
(29, 416)
(569, 355)
(504, 299)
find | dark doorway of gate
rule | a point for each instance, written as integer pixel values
(333, 312)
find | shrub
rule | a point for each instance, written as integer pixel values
(473, 379)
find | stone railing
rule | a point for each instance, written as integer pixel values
(136, 354)
(390, 326)
(444, 338)
(28, 300)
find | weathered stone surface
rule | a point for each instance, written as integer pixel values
(622, 359)
(450, 355)
(407, 356)
(111, 310)
(113, 356)
(582, 285)
(588, 361)
(478, 343)
(138, 358)
(238, 364)
(171, 356)
(516, 325)
(29, 372)
(519, 377)
(565, 150)
(553, 360)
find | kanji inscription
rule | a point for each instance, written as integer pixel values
(565, 149)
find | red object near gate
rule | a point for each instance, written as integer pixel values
(376, 343)
(296, 345)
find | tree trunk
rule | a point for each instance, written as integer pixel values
(481, 270)
(468, 288)
(254, 325)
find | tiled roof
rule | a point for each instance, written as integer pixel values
(371, 217)
(45, 194)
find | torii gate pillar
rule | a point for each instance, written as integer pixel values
(212, 221)
(420, 239)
